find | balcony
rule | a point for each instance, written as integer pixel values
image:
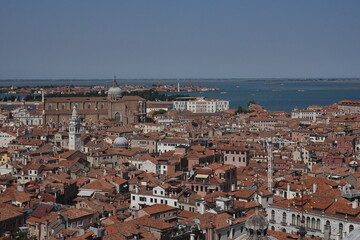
(272, 221)
(284, 223)
(308, 229)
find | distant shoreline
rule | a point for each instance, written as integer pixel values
(193, 79)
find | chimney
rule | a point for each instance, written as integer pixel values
(114, 210)
(315, 186)
(355, 203)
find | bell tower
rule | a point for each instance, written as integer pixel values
(75, 131)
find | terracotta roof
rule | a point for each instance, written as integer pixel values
(7, 212)
(74, 213)
(75, 99)
(42, 210)
(99, 185)
(158, 208)
(154, 223)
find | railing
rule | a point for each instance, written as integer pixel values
(309, 229)
(349, 194)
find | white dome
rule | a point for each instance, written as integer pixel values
(115, 91)
(120, 142)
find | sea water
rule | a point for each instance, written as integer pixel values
(273, 94)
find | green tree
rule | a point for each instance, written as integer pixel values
(161, 111)
(251, 102)
(242, 110)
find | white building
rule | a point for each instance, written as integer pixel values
(7, 168)
(201, 105)
(169, 144)
(325, 217)
(154, 196)
(28, 117)
(313, 114)
(6, 138)
(306, 114)
(349, 106)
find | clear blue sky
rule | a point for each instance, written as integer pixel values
(179, 39)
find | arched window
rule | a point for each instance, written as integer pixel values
(351, 227)
(298, 220)
(62, 106)
(273, 228)
(308, 222)
(50, 106)
(318, 225)
(313, 223)
(117, 116)
(293, 219)
(273, 215)
(341, 228)
(89, 106)
(284, 217)
(101, 106)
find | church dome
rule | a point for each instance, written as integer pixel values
(120, 142)
(115, 91)
(257, 222)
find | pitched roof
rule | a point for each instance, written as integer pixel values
(99, 185)
(158, 208)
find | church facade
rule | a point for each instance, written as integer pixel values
(126, 109)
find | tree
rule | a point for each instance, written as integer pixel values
(161, 111)
(251, 102)
(242, 110)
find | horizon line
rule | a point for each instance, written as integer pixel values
(189, 78)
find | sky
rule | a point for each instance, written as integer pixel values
(78, 39)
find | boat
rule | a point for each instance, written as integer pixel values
(223, 92)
